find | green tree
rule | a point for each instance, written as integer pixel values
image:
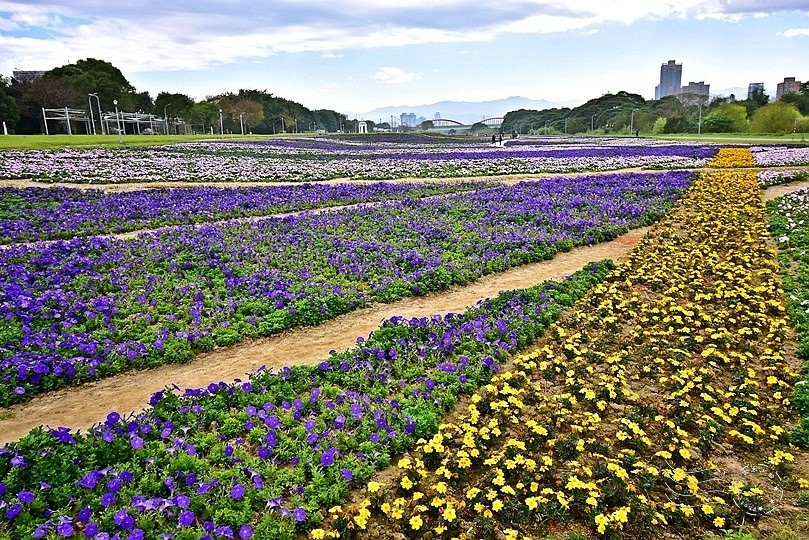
(801, 102)
(777, 117)
(726, 118)
(9, 112)
(175, 105)
(99, 77)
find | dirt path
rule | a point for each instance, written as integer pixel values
(80, 408)
(784, 189)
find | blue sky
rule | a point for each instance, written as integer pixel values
(355, 55)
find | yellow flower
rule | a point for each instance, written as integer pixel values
(406, 482)
(707, 509)
(686, 453)
(317, 534)
(497, 505)
(375, 487)
(719, 522)
(449, 513)
(510, 534)
(602, 521)
(440, 529)
(416, 522)
(441, 487)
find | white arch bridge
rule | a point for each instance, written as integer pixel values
(493, 122)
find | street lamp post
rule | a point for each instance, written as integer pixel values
(241, 121)
(221, 125)
(166, 118)
(118, 122)
(699, 122)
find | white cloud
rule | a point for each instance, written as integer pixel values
(795, 32)
(330, 54)
(394, 75)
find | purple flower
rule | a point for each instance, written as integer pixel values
(123, 519)
(347, 474)
(299, 514)
(186, 518)
(136, 534)
(327, 458)
(107, 500)
(237, 491)
(26, 497)
(13, 511)
(90, 530)
(64, 528)
(84, 514)
(245, 532)
(136, 442)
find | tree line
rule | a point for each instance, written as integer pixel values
(79, 85)
(259, 111)
(628, 113)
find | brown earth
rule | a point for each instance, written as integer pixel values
(81, 407)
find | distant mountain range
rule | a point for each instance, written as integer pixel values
(467, 112)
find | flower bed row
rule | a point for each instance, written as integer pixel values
(86, 308)
(775, 177)
(57, 213)
(305, 160)
(780, 156)
(265, 458)
(661, 401)
(789, 223)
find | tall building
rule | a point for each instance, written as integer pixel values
(754, 87)
(789, 86)
(671, 76)
(696, 88)
(408, 119)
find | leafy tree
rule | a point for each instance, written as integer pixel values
(100, 77)
(679, 124)
(9, 112)
(801, 102)
(175, 105)
(726, 118)
(777, 117)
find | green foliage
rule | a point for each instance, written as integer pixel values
(778, 117)
(726, 118)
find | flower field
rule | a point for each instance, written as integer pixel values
(91, 307)
(625, 413)
(266, 457)
(303, 160)
(32, 214)
(662, 397)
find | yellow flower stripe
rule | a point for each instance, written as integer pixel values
(732, 157)
(614, 417)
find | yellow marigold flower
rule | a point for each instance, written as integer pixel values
(497, 505)
(471, 493)
(592, 501)
(532, 503)
(385, 508)
(510, 534)
(686, 453)
(317, 534)
(417, 495)
(664, 454)
(416, 522)
(406, 482)
(449, 513)
(719, 522)
(479, 507)
(735, 487)
(436, 502)
(707, 509)
(803, 483)
(440, 529)
(679, 475)
(441, 487)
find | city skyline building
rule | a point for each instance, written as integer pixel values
(789, 86)
(696, 88)
(671, 76)
(754, 87)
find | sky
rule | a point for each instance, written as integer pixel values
(353, 56)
